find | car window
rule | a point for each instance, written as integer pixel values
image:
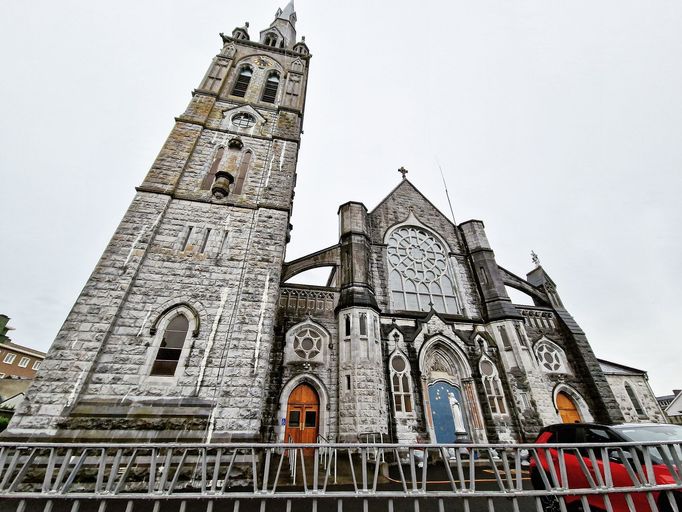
(598, 435)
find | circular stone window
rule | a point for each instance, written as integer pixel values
(487, 368)
(549, 358)
(398, 364)
(243, 120)
(307, 344)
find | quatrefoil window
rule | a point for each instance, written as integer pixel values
(307, 344)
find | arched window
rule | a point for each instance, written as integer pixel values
(420, 274)
(210, 177)
(173, 340)
(493, 387)
(242, 82)
(271, 86)
(363, 324)
(243, 171)
(270, 39)
(401, 384)
(635, 401)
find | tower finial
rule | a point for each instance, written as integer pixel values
(535, 258)
(403, 171)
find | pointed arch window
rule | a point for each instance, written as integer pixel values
(271, 86)
(170, 349)
(635, 401)
(270, 39)
(243, 171)
(493, 387)
(210, 177)
(401, 384)
(363, 324)
(242, 82)
(420, 275)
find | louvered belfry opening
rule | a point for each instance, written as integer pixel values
(271, 86)
(242, 83)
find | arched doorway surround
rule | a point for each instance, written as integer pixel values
(323, 399)
(570, 405)
(447, 382)
(303, 412)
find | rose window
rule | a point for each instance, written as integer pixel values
(307, 344)
(243, 120)
(549, 357)
(419, 277)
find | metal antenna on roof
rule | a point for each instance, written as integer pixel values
(447, 194)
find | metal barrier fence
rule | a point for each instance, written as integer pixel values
(633, 477)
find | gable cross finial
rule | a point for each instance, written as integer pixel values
(403, 171)
(535, 258)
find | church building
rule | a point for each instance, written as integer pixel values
(189, 330)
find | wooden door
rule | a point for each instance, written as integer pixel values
(303, 412)
(567, 408)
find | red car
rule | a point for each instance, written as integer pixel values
(582, 464)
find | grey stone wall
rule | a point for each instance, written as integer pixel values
(220, 259)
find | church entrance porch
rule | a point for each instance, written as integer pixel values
(302, 419)
(449, 421)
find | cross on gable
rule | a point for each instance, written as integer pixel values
(403, 171)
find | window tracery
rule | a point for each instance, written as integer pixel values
(419, 276)
(550, 357)
(493, 387)
(401, 384)
(307, 343)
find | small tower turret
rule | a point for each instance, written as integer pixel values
(242, 33)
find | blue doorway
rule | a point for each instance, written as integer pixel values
(447, 412)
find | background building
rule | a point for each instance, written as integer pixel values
(189, 328)
(672, 406)
(631, 388)
(18, 366)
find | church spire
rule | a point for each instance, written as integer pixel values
(282, 31)
(289, 13)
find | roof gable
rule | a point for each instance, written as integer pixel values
(620, 369)
(396, 208)
(675, 407)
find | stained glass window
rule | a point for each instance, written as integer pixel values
(419, 274)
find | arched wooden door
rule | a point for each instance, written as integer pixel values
(303, 411)
(567, 409)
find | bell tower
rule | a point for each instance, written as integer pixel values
(171, 335)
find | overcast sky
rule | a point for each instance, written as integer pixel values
(556, 123)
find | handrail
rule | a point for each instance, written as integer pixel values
(646, 477)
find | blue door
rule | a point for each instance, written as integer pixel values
(447, 412)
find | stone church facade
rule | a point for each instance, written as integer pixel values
(188, 330)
